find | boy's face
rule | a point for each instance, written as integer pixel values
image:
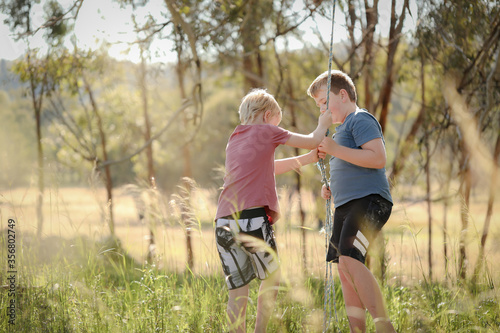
(333, 104)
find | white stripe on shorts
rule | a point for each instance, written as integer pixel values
(361, 243)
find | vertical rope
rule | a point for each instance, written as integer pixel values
(329, 301)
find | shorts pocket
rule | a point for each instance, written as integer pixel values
(378, 212)
(224, 237)
(257, 235)
(252, 236)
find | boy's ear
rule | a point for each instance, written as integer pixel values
(344, 94)
(267, 115)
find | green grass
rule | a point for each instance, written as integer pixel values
(85, 286)
(74, 279)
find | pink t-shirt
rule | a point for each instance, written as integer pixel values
(249, 179)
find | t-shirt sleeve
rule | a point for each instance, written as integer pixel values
(365, 128)
(279, 135)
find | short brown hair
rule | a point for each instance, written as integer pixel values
(340, 80)
(255, 102)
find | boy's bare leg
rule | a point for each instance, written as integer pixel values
(356, 312)
(368, 290)
(265, 303)
(236, 309)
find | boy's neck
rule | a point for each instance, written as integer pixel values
(258, 121)
(350, 108)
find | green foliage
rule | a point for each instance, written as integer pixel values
(18, 13)
(460, 38)
(58, 27)
(456, 24)
(20, 18)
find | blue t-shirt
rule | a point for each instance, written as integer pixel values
(349, 181)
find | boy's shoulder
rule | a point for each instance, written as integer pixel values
(361, 120)
(260, 129)
(362, 115)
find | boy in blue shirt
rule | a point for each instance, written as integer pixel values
(361, 196)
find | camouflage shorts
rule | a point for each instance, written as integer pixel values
(247, 247)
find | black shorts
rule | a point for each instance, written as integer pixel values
(355, 225)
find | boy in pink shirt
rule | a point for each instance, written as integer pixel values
(248, 204)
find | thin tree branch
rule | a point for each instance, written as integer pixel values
(153, 138)
(54, 20)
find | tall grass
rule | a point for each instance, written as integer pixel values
(88, 282)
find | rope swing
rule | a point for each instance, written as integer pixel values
(329, 295)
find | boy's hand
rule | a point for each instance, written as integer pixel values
(314, 155)
(325, 119)
(328, 146)
(325, 193)
(321, 154)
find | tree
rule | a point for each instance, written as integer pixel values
(396, 27)
(97, 130)
(28, 71)
(143, 87)
(184, 30)
(32, 70)
(489, 211)
(465, 53)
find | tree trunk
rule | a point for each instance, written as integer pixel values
(41, 182)
(403, 151)
(192, 39)
(446, 204)
(371, 23)
(298, 183)
(151, 254)
(186, 207)
(249, 34)
(464, 212)
(37, 108)
(351, 26)
(489, 211)
(108, 181)
(302, 215)
(494, 173)
(428, 199)
(394, 38)
(427, 165)
(186, 156)
(386, 98)
(250, 63)
(109, 193)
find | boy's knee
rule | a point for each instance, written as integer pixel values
(274, 277)
(348, 262)
(343, 264)
(345, 267)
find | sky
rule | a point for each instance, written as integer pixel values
(100, 20)
(97, 20)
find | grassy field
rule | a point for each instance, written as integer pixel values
(75, 278)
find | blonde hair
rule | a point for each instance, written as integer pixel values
(256, 102)
(340, 80)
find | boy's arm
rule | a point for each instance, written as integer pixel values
(312, 140)
(371, 155)
(294, 163)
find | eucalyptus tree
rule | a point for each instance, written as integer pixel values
(184, 19)
(32, 68)
(461, 44)
(374, 30)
